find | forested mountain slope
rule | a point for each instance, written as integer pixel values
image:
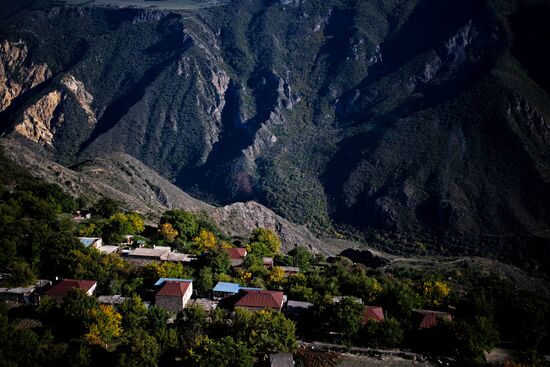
(427, 119)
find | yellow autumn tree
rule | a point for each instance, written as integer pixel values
(205, 241)
(105, 325)
(168, 232)
(276, 276)
(435, 293)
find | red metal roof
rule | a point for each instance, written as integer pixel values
(374, 313)
(65, 285)
(236, 253)
(429, 319)
(261, 299)
(174, 289)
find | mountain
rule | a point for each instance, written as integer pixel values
(136, 187)
(390, 119)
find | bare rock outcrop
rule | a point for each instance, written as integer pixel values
(17, 73)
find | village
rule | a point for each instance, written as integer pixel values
(180, 291)
(174, 295)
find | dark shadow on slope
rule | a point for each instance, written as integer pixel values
(120, 107)
(532, 37)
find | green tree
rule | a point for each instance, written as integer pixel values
(263, 242)
(186, 223)
(134, 313)
(225, 352)
(205, 282)
(138, 349)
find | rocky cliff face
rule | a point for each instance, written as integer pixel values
(18, 74)
(422, 118)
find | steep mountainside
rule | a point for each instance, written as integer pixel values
(421, 118)
(137, 187)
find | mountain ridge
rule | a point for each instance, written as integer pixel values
(426, 119)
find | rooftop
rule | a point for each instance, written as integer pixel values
(236, 253)
(65, 285)
(174, 288)
(175, 256)
(374, 313)
(161, 281)
(88, 241)
(261, 299)
(429, 318)
(299, 304)
(227, 287)
(148, 252)
(117, 299)
(108, 249)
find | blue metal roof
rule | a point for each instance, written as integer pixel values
(227, 287)
(87, 241)
(162, 280)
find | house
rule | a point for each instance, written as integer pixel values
(25, 295)
(255, 300)
(236, 255)
(223, 290)
(427, 319)
(94, 242)
(281, 360)
(142, 255)
(59, 290)
(17, 295)
(295, 309)
(175, 257)
(373, 313)
(109, 249)
(97, 243)
(289, 270)
(268, 262)
(115, 300)
(174, 294)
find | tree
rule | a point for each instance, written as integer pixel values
(473, 337)
(136, 222)
(186, 223)
(76, 313)
(399, 299)
(205, 241)
(264, 331)
(134, 312)
(106, 207)
(205, 282)
(435, 293)
(105, 325)
(167, 231)
(139, 349)
(263, 242)
(346, 318)
(225, 352)
(276, 277)
(219, 261)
